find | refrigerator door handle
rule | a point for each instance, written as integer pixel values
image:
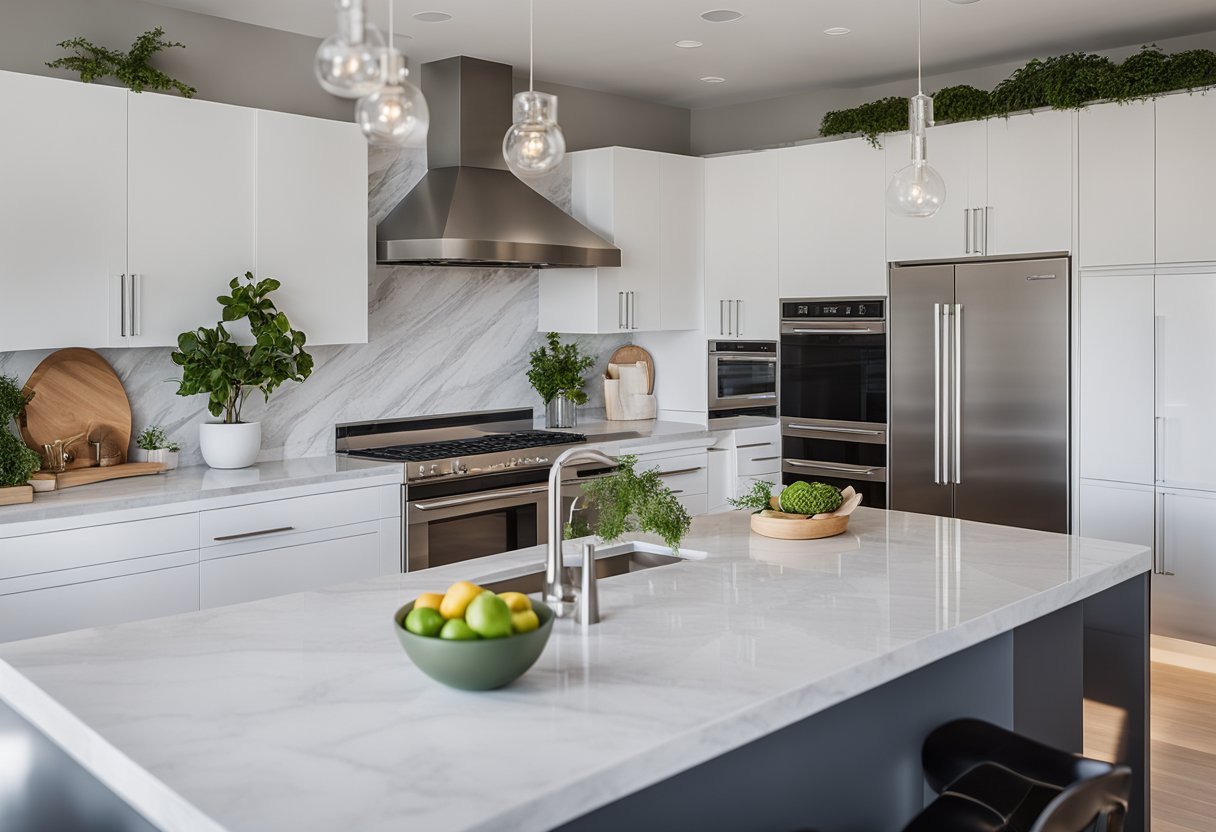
(956, 430)
(937, 394)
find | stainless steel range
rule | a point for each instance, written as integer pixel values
(475, 482)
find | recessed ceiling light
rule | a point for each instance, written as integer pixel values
(713, 79)
(721, 15)
(432, 17)
(689, 44)
(837, 30)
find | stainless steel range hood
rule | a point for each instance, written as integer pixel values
(469, 209)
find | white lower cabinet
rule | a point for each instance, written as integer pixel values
(351, 553)
(739, 459)
(1116, 511)
(1184, 586)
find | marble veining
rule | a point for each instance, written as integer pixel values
(440, 339)
(301, 712)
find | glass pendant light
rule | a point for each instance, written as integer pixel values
(349, 62)
(534, 144)
(396, 113)
(917, 190)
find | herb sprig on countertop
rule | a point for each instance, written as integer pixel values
(758, 500)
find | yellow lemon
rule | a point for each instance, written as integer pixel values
(524, 622)
(428, 600)
(458, 598)
(516, 601)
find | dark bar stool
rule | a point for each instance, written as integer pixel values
(992, 780)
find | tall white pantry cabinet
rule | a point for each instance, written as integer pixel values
(1147, 347)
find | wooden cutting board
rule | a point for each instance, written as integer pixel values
(74, 388)
(15, 495)
(632, 354)
(87, 476)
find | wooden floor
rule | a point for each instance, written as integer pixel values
(1183, 729)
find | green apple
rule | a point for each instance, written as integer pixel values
(457, 630)
(489, 616)
(424, 621)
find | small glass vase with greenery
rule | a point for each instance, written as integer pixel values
(626, 501)
(17, 462)
(227, 372)
(556, 372)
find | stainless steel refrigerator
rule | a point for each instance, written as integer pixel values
(979, 375)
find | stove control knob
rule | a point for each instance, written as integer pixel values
(422, 470)
(542, 460)
(529, 461)
(458, 467)
(434, 469)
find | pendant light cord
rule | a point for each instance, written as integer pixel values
(531, 37)
(392, 44)
(919, 86)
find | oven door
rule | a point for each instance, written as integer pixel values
(834, 371)
(445, 529)
(739, 380)
(838, 453)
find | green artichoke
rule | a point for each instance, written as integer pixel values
(810, 498)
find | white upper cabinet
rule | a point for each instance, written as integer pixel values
(1186, 395)
(959, 152)
(1117, 192)
(741, 237)
(832, 220)
(1117, 378)
(1186, 178)
(312, 225)
(1030, 174)
(190, 226)
(650, 206)
(63, 203)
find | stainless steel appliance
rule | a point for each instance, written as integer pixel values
(834, 393)
(980, 391)
(475, 482)
(742, 378)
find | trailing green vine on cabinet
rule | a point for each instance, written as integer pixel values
(1063, 82)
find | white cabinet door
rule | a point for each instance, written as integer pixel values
(190, 203)
(1117, 378)
(959, 153)
(1185, 586)
(741, 234)
(1116, 511)
(1186, 380)
(683, 241)
(832, 220)
(312, 226)
(1115, 162)
(637, 231)
(63, 204)
(1186, 178)
(1030, 183)
(314, 565)
(98, 603)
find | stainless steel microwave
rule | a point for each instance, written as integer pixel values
(742, 377)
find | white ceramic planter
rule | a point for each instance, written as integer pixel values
(230, 446)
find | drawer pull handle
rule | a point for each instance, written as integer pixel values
(753, 445)
(764, 458)
(254, 534)
(680, 471)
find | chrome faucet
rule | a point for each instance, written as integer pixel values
(559, 590)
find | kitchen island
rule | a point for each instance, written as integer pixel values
(783, 682)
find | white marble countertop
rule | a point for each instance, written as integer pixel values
(303, 713)
(193, 484)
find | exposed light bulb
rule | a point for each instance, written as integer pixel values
(917, 190)
(534, 144)
(396, 112)
(348, 63)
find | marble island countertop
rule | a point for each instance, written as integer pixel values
(302, 712)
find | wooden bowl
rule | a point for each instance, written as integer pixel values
(787, 528)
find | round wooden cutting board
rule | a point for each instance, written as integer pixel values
(74, 388)
(631, 354)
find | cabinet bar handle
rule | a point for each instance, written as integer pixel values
(122, 306)
(753, 445)
(254, 534)
(721, 317)
(681, 471)
(620, 310)
(739, 318)
(764, 458)
(730, 317)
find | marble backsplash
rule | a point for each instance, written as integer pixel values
(440, 340)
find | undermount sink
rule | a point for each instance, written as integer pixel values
(614, 561)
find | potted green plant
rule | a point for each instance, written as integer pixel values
(227, 372)
(626, 501)
(17, 462)
(556, 372)
(155, 446)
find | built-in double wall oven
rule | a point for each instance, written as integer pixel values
(833, 385)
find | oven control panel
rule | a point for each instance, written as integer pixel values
(485, 464)
(869, 309)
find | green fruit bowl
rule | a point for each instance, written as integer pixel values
(484, 664)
